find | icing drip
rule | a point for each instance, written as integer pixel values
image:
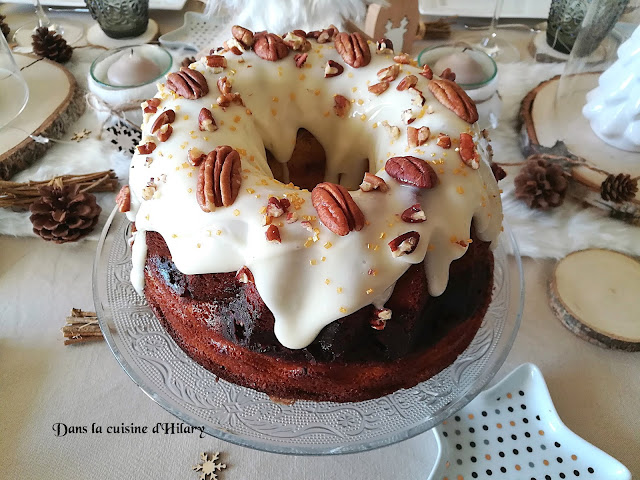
(314, 276)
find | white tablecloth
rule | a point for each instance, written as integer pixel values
(42, 382)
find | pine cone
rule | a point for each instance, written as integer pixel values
(619, 188)
(186, 61)
(51, 45)
(4, 28)
(541, 184)
(62, 214)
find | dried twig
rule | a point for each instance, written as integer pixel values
(19, 196)
(81, 327)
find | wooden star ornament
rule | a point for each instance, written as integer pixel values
(209, 466)
(78, 136)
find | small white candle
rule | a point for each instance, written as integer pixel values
(466, 68)
(132, 69)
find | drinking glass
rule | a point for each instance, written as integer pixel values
(14, 92)
(70, 31)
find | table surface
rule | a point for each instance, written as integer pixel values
(42, 383)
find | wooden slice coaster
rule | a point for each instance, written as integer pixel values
(596, 294)
(55, 101)
(541, 123)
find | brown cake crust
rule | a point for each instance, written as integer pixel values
(225, 326)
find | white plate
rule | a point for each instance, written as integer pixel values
(153, 4)
(484, 8)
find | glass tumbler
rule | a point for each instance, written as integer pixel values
(14, 92)
(120, 18)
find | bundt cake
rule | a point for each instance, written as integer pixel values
(314, 215)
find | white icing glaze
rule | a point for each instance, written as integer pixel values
(311, 278)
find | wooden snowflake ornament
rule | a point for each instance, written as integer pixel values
(209, 466)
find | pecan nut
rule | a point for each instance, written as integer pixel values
(378, 88)
(296, 41)
(384, 46)
(403, 59)
(404, 244)
(273, 234)
(416, 137)
(244, 275)
(498, 171)
(341, 105)
(242, 35)
(353, 48)
(413, 171)
(413, 214)
(269, 46)
(224, 86)
(389, 74)
(468, 152)
(324, 36)
(444, 141)
(146, 148)
(447, 74)
(151, 105)
(332, 69)
(219, 179)
(452, 96)
(373, 182)
(206, 123)
(300, 59)
(407, 82)
(123, 199)
(234, 46)
(216, 62)
(188, 83)
(165, 132)
(427, 72)
(196, 156)
(336, 209)
(379, 321)
(166, 117)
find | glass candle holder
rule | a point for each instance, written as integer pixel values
(120, 18)
(566, 18)
(14, 92)
(476, 72)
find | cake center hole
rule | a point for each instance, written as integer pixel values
(307, 166)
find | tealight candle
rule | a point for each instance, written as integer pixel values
(132, 69)
(467, 69)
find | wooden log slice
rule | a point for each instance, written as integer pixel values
(596, 294)
(55, 101)
(542, 121)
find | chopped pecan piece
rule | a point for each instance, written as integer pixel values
(468, 152)
(165, 132)
(269, 46)
(188, 83)
(389, 74)
(413, 214)
(373, 182)
(403, 58)
(276, 207)
(353, 48)
(216, 62)
(384, 46)
(146, 148)
(244, 275)
(407, 82)
(382, 315)
(393, 131)
(452, 96)
(427, 72)
(411, 171)
(273, 234)
(242, 35)
(196, 156)
(404, 244)
(219, 179)
(234, 46)
(206, 123)
(444, 141)
(447, 74)
(336, 209)
(300, 59)
(498, 171)
(324, 36)
(166, 117)
(408, 116)
(151, 105)
(296, 41)
(332, 69)
(224, 86)
(123, 199)
(378, 88)
(417, 137)
(341, 105)
(417, 98)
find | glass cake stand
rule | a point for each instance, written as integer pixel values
(249, 418)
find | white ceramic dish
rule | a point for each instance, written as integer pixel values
(153, 4)
(513, 431)
(484, 8)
